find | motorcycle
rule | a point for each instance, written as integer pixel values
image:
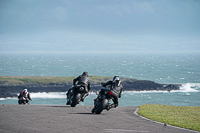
(102, 101)
(76, 95)
(22, 100)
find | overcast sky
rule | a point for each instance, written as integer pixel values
(99, 25)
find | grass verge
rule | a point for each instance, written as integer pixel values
(46, 80)
(180, 116)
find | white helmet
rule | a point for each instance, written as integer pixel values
(25, 90)
(115, 78)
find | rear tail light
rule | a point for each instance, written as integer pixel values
(110, 93)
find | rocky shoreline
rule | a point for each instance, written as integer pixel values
(9, 90)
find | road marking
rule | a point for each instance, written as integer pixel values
(124, 130)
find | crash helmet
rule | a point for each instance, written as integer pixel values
(116, 78)
(25, 90)
(85, 73)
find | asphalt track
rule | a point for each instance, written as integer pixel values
(65, 119)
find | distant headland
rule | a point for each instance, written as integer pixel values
(11, 85)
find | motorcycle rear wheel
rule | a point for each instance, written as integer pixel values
(101, 106)
(76, 99)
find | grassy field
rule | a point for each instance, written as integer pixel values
(181, 116)
(46, 80)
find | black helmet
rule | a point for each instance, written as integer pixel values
(85, 73)
(116, 78)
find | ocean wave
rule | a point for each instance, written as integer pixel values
(2, 98)
(185, 88)
(190, 87)
(145, 91)
(48, 95)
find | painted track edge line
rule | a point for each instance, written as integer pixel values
(163, 123)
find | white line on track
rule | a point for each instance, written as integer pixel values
(123, 130)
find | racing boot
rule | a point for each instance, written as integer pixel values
(110, 106)
(68, 101)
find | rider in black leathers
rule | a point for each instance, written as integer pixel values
(116, 88)
(83, 80)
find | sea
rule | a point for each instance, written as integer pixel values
(161, 67)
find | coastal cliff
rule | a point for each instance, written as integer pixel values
(10, 85)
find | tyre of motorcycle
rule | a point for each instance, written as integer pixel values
(76, 99)
(102, 105)
(22, 101)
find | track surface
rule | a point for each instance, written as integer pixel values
(65, 119)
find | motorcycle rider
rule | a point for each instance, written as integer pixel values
(83, 80)
(25, 94)
(116, 88)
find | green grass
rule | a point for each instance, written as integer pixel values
(181, 116)
(46, 80)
